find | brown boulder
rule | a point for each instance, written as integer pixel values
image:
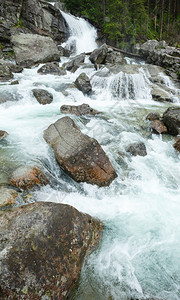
(3, 134)
(177, 144)
(158, 127)
(79, 110)
(171, 119)
(43, 246)
(78, 155)
(26, 177)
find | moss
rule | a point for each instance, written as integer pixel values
(19, 24)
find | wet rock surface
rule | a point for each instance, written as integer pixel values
(75, 63)
(7, 198)
(161, 95)
(42, 96)
(177, 144)
(80, 156)
(137, 149)
(153, 116)
(3, 134)
(43, 246)
(158, 127)
(83, 83)
(5, 71)
(171, 119)
(30, 49)
(26, 177)
(79, 110)
(98, 56)
(52, 68)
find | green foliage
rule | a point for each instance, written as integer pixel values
(19, 24)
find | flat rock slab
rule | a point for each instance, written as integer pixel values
(80, 156)
(30, 49)
(43, 246)
(79, 110)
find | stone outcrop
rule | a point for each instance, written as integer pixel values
(43, 246)
(159, 53)
(80, 156)
(83, 83)
(161, 95)
(171, 119)
(42, 96)
(98, 56)
(5, 71)
(75, 63)
(52, 68)
(26, 177)
(79, 110)
(37, 16)
(30, 49)
(137, 149)
(3, 134)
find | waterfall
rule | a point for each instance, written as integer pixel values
(139, 255)
(82, 34)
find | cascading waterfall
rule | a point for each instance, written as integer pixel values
(139, 255)
(82, 34)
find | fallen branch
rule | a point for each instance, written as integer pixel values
(121, 51)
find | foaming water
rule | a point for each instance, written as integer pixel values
(138, 257)
(82, 34)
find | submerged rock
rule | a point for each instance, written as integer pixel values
(80, 156)
(30, 49)
(171, 119)
(137, 149)
(153, 116)
(75, 62)
(79, 110)
(42, 96)
(158, 127)
(52, 68)
(26, 177)
(83, 83)
(3, 134)
(43, 246)
(7, 198)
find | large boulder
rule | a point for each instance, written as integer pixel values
(27, 177)
(75, 63)
(79, 110)
(98, 56)
(37, 16)
(43, 246)
(52, 68)
(171, 119)
(83, 83)
(78, 155)
(114, 57)
(30, 49)
(42, 96)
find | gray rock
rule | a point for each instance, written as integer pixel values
(43, 246)
(42, 96)
(98, 56)
(3, 134)
(177, 144)
(63, 51)
(78, 155)
(83, 83)
(171, 119)
(159, 94)
(75, 63)
(5, 71)
(137, 149)
(79, 110)
(14, 82)
(52, 68)
(30, 49)
(114, 57)
(153, 116)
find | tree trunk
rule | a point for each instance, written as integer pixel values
(168, 21)
(161, 20)
(155, 19)
(104, 10)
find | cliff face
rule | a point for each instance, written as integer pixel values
(33, 16)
